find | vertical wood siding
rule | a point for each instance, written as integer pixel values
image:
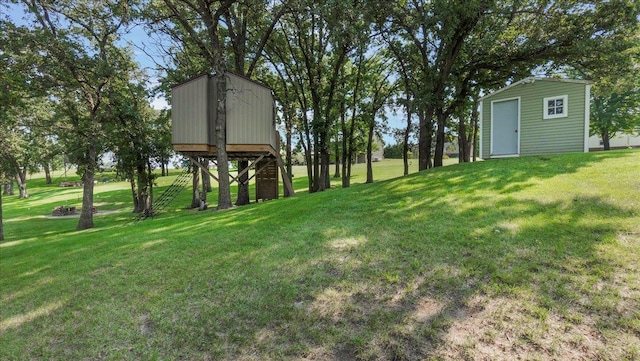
(250, 113)
(486, 128)
(213, 110)
(189, 112)
(249, 105)
(538, 135)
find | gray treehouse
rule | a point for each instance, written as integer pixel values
(250, 127)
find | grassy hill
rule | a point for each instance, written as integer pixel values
(530, 258)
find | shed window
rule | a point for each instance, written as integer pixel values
(555, 107)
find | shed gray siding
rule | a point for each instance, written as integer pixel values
(539, 135)
(190, 113)
(250, 118)
(213, 110)
(250, 112)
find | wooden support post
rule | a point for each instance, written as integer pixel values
(285, 178)
(250, 166)
(234, 179)
(259, 170)
(203, 168)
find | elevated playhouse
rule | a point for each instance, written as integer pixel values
(250, 127)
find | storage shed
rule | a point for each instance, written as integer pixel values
(251, 133)
(535, 116)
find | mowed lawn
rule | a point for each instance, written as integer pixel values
(523, 258)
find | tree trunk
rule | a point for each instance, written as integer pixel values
(468, 135)
(336, 174)
(149, 201)
(424, 145)
(345, 144)
(195, 183)
(324, 170)
(370, 152)
(306, 146)
(86, 215)
(142, 200)
(1, 227)
(8, 188)
(475, 118)
(606, 144)
(463, 143)
(288, 156)
(205, 187)
(164, 167)
(440, 139)
(47, 173)
(206, 179)
(305, 141)
(134, 194)
(351, 145)
(224, 188)
(21, 178)
(474, 149)
(405, 140)
(425, 138)
(346, 174)
(206, 183)
(316, 161)
(243, 184)
(345, 163)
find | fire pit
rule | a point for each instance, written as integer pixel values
(63, 211)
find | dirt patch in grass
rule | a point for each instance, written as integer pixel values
(518, 327)
(505, 329)
(426, 309)
(77, 214)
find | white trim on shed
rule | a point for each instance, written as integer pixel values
(587, 115)
(533, 79)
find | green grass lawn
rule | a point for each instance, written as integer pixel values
(523, 258)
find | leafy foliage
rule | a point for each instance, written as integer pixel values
(453, 47)
(84, 62)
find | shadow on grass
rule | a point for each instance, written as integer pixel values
(384, 276)
(510, 175)
(387, 271)
(369, 292)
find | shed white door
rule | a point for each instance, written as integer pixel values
(504, 127)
